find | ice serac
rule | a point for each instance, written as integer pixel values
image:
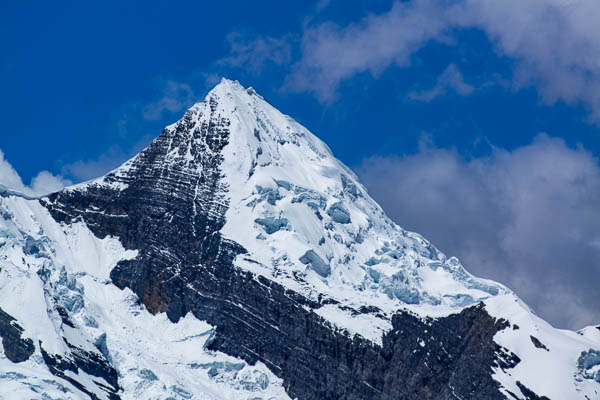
(279, 272)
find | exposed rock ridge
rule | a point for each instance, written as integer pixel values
(16, 348)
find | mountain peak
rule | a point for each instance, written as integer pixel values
(232, 85)
(226, 86)
(240, 216)
(302, 215)
(256, 132)
(232, 90)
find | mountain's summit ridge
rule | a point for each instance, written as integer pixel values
(240, 226)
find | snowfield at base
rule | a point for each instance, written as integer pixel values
(307, 224)
(156, 358)
(553, 372)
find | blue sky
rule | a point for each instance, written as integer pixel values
(476, 123)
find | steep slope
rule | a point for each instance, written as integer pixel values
(269, 270)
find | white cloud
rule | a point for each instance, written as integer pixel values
(8, 176)
(528, 218)
(332, 54)
(43, 183)
(555, 44)
(451, 80)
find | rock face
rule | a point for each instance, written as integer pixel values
(298, 271)
(90, 363)
(16, 348)
(171, 207)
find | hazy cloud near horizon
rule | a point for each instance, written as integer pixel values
(43, 183)
(527, 218)
(84, 170)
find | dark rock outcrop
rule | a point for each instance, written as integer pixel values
(16, 348)
(538, 344)
(91, 363)
(530, 394)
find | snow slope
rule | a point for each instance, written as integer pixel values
(45, 266)
(281, 174)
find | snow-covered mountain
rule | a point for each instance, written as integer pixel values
(237, 258)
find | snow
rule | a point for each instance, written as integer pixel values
(547, 373)
(155, 358)
(343, 320)
(591, 333)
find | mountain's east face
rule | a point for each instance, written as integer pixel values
(235, 257)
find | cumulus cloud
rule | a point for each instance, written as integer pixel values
(43, 183)
(528, 218)
(175, 97)
(331, 53)
(555, 44)
(451, 80)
